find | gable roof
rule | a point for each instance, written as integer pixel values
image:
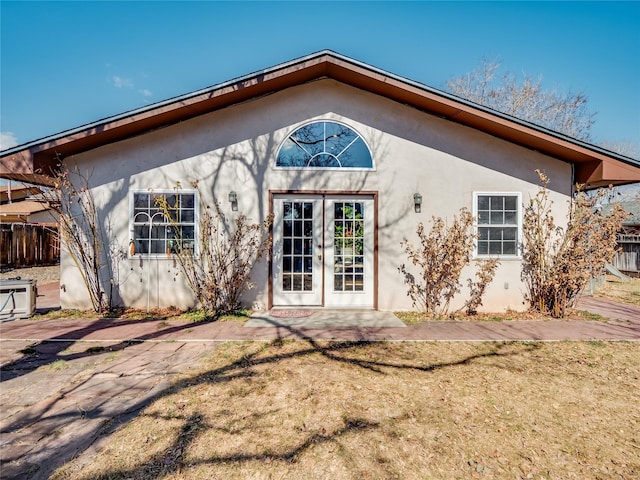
(594, 166)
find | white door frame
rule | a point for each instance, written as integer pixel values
(322, 294)
(297, 250)
(348, 268)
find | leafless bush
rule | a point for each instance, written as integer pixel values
(218, 269)
(485, 271)
(442, 254)
(72, 201)
(559, 262)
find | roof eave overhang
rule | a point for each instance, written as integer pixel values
(594, 166)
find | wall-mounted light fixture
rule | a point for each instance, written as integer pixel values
(233, 199)
(417, 202)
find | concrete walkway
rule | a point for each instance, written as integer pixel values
(67, 383)
(624, 324)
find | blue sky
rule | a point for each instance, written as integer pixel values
(65, 64)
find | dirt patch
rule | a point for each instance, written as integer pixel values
(388, 410)
(44, 275)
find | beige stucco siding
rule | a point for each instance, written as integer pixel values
(234, 149)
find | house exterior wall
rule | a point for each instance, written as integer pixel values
(235, 149)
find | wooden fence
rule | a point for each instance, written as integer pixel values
(628, 258)
(23, 245)
(628, 261)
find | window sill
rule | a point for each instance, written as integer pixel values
(502, 258)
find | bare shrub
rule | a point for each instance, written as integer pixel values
(442, 254)
(83, 237)
(485, 271)
(218, 270)
(559, 262)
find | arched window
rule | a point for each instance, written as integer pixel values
(324, 144)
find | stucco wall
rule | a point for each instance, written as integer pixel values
(234, 149)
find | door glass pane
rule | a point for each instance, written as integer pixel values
(297, 209)
(308, 210)
(297, 242)
(349, 246)
(308, 282)
(308, 245)
(287, 212)
(287, 228)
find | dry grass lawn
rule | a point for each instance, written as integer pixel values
(627, 291)
(306, 410)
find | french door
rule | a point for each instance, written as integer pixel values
(323, 251)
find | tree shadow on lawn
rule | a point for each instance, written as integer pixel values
(169, 460)
(172, 459)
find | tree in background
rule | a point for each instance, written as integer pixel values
(525, 99)
(628, 149)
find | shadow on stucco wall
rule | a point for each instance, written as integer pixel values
(235, 148)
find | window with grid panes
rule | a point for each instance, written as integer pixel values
(498, 223)
(153, 233)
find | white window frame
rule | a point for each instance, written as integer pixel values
(133, 223)
(518, 254)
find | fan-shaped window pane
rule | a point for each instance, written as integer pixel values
(324, 145)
